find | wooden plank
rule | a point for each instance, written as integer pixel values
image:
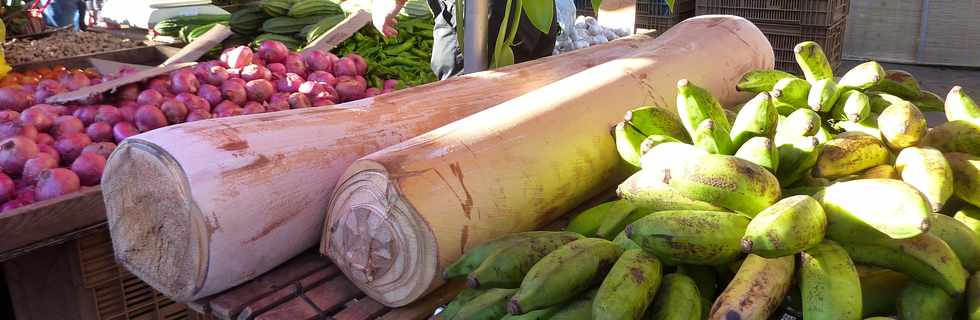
(109, 85)
(152, 55)
(423, 308)
(292, 291)
(361, 309)
(42, 286)
(228, 304)
(331, 296)
(200, 46)
(297, 309)
(340, 32)
(48, 220)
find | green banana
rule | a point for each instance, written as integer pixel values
(959, 237)
(852, 106)
(902, 125)
(475, 256)
(624, 242)
(541, 314)
(867, 126)
(955, 136)
(563, 274)
(790, 94)
(758, 118)
(862, 76)
(462, 298)
(628, 140)
(629, 287)
(848, 154)
(669, 154)
(580, 309)
(823, 95)
(791, 225)
(713, 138)
(879, 291)
(919, 301)
(688, 236)
(880, 100)
(812, 60)
(929, 101)
(973, 297)
(927, 170)
(899, 83)
(705, 277)
(677, 299)
(657, 121)
(761, 80)
(829, 283)
(587, 222)
(966, 176)
(885, 171)
(757, 289)
(695, 104)
(507, 266)
(761, 151)
(800, 123)
(653, 141)
(925, 258)
(959, 106)
(802, 191)
(646, 190)
(491, 304)
(890, 206)
(970, 217)
(796, 158)
(615, 224)
(725, 181)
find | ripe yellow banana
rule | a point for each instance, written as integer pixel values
(725, 181)
(899, 83)
(928, 101)
(862, 76)
(692, 237)
(563, 274)
(761, 151)
(587, 222)
(668, 154)
(880, 101)
(973, 297)
(647, 191)
(926, 258)
(902, 125)
(713, 138)
(762, 80)
(812, 60)
(927, 170)
(829, 283)
(920, 301)
(800, 123)
(757, 289)
(695, 104)
(848, 154)
(890, 206)
(678, 298)
(879, 291)
(959, 237)
(959, 106)
(758, 118)
(823, 95)
(506, 267)
(790, 94)
(885, 171)
(629, 287)
(966, 176)
(796, 159)
(628, 141)
(652, 120)
(852, 106)
(955, 136)
(791, 225)
(653, 141)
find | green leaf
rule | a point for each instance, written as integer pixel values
(502, 36)
(541, 13)
(503, 58)
(670, 4)
(596, 4)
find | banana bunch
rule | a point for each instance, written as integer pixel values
(821, 197)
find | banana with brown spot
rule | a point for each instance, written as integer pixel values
(757, 289)
(927, 170)
(726, 181)
(885, 171)
(966, 176)
(690, 237)
(902, 125)
(955, 136)
(629, 287)
(850, 153)
(791, 225)
(829, 283)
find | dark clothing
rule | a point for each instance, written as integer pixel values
(61, 13)
(447, 55)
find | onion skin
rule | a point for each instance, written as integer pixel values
(237, 57)
(299, 100)
(323, 76)
(216, 75)
(273, 51)
(103, 149)
(150, 97)
(196, 115)
(123, 130)
(34, 166)
(253, 107)
(234, 92)
(174, 110)
(255, 72)
(6, 188)
(259, 90)
(49, 150)
(99, 132)
(14, 152)
(183, 81)
(44, 138)
(56, 182)
(89, 168)
(108, 114)
(71, 145)
(9, 129)
(149, 118)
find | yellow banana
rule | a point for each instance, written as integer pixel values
(629, 287)
(880, 100)
(823, 95)
(890, 206)
(928, 101)
(587, 222)
(713, 138)
(790, 94)
(761, 151)
(959, 106)
(959, 237)
(852, 106)
(884, 171)
(867, 126)
(691, 237)
(758, 118)
(879, 291)
(862, 76)
(899, 83)
(829, 283)
(628, 140)
(653, 141)
(563, 274)
(647, 191)
(796, 159)
(812, 60)
(966, 176)
(725, 181)
(762, 80)
(848, 154)
(800, 123)
(970, 217)
(902, 125)
(927, 170)
(791, 225)
(973, 297)
(657, 121)
(955, 136)
(757, 289)
(920, 301)
(669, 154)
(677, 299)
(695, 104)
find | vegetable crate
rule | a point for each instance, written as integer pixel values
(650, 14)
(823, 13)
(785, 37)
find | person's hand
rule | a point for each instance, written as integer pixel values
(383, 14)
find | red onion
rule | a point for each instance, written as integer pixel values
(278, 102)
(390, 84)
(255, 72)
(183, 81)
(350, 89)
(259, 90)
(370, 92)
(108, 114)
(294, 64)
(47, 88)
(101, 148)
(234, 92)
(196, 115)
(278, 70)
(359, 63)
(34, 166)
(299, 100)
(216, 75)
(123, 130)
(74, 81)
(38, 118)
(323, 101)
(149, 118)
(56, 182)
(89, 167)
(128, 112)
(210, 93)
(323, 76)
(272, 51)
(253, 107)
(160, 84)
(44, 138)
(9, 129)
(230, 112)
(316, 60)
(99, 131)
(174, 110)
(129, 92)
(70, 146)
(14, 152)
(150, 97)
(237, 57)
(86, 114)
(224, 106)
(15, 99)
(49, 150)
(6, 188)
(289, 83)
(345, 67)
(10, 115)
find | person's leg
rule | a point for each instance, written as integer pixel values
(447, 56)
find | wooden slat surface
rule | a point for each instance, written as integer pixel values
(50, 222)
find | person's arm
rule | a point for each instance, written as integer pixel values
(383, 14)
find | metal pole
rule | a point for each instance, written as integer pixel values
(477, 16)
